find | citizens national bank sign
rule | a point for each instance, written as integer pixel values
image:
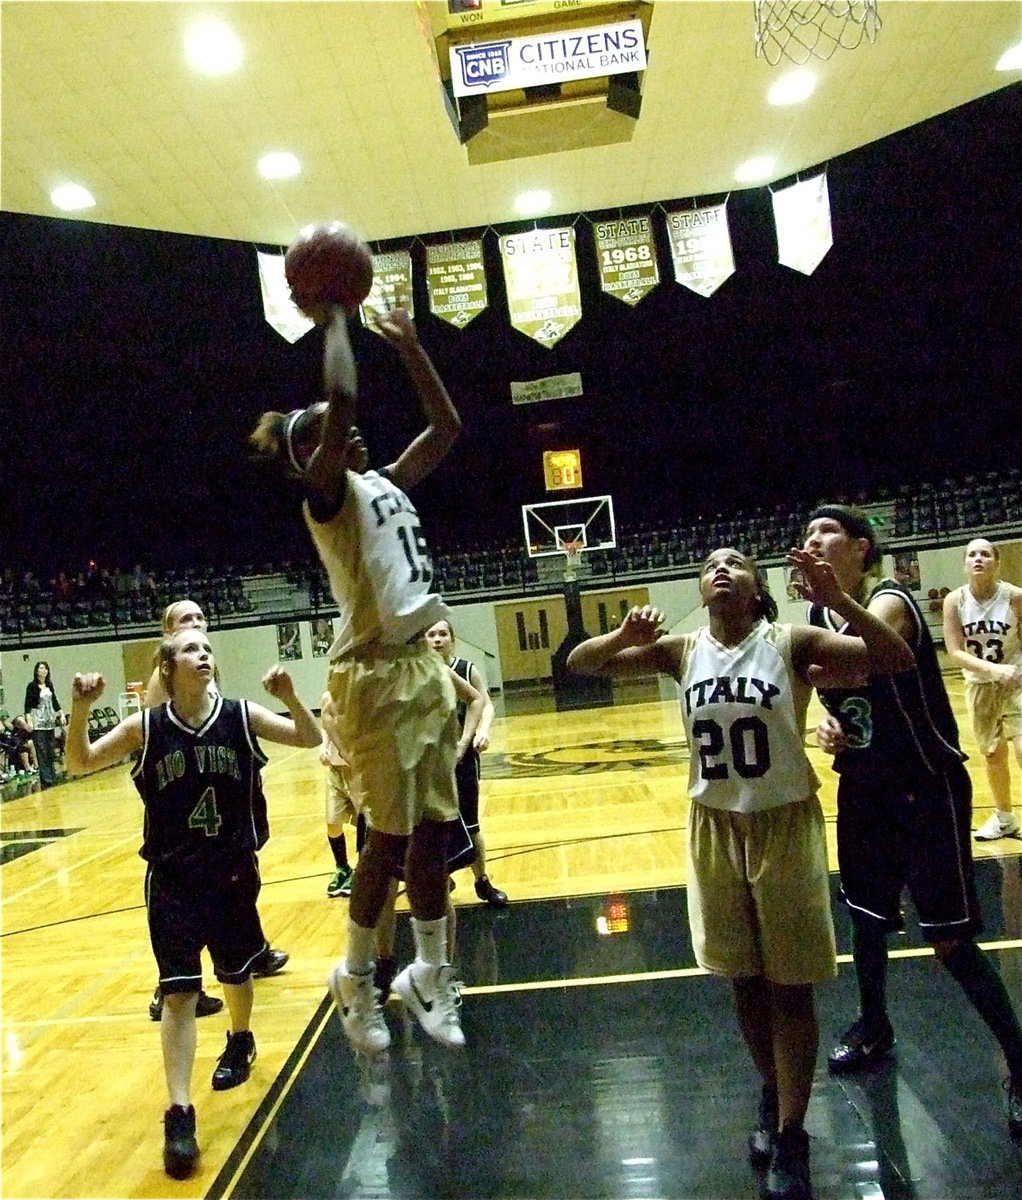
(524, 62)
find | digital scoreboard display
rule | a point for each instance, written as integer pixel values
(562, 469)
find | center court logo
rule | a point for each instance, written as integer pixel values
(485, 64)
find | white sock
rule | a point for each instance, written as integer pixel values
(358, 959)
(430, 941)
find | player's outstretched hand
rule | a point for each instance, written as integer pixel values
(815, 580)
(88, 686)
(279, 683)
(643, 626)
(395, 324)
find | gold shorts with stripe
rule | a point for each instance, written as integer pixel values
(759, 893)
(340, 807)
(996, 714)
(393, 716)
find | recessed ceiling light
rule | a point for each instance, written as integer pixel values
(792, 88)
(280, 164)
(531, 204)
(212, 49)
(71, 197)
(755, 170)
(1011, 59)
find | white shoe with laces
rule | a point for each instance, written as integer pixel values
(359, 1009)
(996, 826)
(431, 994)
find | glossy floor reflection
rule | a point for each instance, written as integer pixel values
(586, 1077)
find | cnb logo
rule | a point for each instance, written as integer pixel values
(483, 64)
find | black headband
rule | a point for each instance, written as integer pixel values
(855, 526)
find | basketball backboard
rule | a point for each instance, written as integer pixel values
(587, 523)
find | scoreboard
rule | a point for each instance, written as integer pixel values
(562, 469)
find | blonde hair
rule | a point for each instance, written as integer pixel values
(165, 663)
(167, 620)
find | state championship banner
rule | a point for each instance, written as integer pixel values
(479, 68)
(553, 387)
(541, 276)
(701, 247)
(456, 281)
(279, 309)
(626, 258)
(802, 218)
(392, 286)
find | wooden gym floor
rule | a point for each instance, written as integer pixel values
(598, 1065)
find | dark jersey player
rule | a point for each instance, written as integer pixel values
(197, 772)
(904, 810)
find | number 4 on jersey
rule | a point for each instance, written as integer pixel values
(204, 815)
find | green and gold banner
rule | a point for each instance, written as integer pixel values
(701, 247)
(392, 286)
(626, 258)
(456, 281)
(541, 275)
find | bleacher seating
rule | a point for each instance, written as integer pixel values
(931, 515)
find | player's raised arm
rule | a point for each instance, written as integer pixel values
(426, 451)
(83, 756)
(299, 728)
(839, 660)
(634, 648)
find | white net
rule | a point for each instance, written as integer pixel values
(812, 28)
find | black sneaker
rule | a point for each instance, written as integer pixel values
(383, 977)
(205, 1006)
(180, 1149)
(270, 962)
(861, 1046)
(788, 1176)
(486, 891)
(235, 1064)
(1014, 1089)
(762, 1138)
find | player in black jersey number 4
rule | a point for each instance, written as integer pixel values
(197, 773)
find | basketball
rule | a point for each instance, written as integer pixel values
(329, 264)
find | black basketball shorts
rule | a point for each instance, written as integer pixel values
(890, 839)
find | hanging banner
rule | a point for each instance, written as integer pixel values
(456, 281)
(701, 247)
(279, 309)
(392, 286)
(802, 218)
(553, 387)
(626, 258)
(541, 276)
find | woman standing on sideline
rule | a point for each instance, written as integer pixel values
(196, 774)
(441, 638)
(981, 633)
(759, 893)
(42, 708)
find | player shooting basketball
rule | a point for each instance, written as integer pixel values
(393, 711)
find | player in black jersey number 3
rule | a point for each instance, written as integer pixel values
(197, 774)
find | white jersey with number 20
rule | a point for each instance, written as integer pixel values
(744, 710)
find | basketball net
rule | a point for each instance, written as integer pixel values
(812, 28)
(572, 560)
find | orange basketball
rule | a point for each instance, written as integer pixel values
(329, 264)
